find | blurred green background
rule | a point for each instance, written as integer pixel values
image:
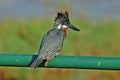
(23, 23)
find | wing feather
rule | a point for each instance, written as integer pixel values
(51, 45)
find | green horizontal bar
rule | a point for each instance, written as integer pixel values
(74, 62)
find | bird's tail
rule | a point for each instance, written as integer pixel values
(36, 63)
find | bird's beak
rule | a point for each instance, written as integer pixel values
(73, 27)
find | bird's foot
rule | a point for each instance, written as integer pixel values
(46, 63)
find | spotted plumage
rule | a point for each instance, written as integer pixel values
(52, 41)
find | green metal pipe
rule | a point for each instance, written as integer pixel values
(74, 62)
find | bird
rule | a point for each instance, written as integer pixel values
(52, 41)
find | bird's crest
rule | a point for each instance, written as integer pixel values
(62, 15)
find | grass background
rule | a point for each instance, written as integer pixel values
(97, 38)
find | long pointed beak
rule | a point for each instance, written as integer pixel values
(73, 27)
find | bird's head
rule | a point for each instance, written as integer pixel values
(62, 21)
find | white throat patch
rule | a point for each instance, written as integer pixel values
(61, 26)
(64, 26)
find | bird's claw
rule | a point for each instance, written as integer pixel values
(46, 63)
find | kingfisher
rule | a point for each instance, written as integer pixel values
(52, 41)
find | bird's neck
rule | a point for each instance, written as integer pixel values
(65, 30)
(58, 26)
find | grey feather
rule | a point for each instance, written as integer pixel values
(36, 63)
(51, 45)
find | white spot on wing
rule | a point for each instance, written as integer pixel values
(57, 54)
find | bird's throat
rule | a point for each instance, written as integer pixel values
(65, 30)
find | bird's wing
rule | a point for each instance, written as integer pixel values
(40, 57)
(44, 39)
(52, 42)
(51, 45)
